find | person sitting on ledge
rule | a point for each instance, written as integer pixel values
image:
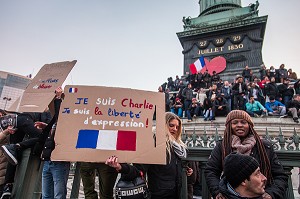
(275, 107)
(255, 108)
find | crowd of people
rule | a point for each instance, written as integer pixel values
(249, 164)
(274, 92)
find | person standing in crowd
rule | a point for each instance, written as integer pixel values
(240, 136)
(4, 138)
(246, 74)
(239, 90)
(54, 174)
(255, 108)
(188, 95)
(282, 73)
(272, 72)
(293, 107)
(25, 126)
(275, 107)
(206, 78)
(242, 178)
(107, 177)
(226, 90)
(286, 91)
(164, 181)
(215, 78)
(263, 71)
(271, 89)
(176, 83)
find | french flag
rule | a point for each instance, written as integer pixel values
(197, 65)
(107, 140)
(73, 90)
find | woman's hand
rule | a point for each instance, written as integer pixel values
(113, 162)
(40, 125)
(58, 92)
(9, 130)
(189, 171)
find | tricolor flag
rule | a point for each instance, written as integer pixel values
(107, 140)
(197, 65)
(73, 90)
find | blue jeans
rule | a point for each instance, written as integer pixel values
(179, 111)
(54, 180)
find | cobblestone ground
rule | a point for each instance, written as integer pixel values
(295, 181)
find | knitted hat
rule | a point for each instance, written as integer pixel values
(239, 114)
(239, 167)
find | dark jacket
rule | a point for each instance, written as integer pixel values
(227, 92)
(225, 192)
(284, 90)
(188, 94)
(214, 169)
(164, 181)
(246, 73)
(271, 89)
(47, 138)
(207, 103)
(235, 89)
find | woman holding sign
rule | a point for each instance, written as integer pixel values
(164, 181)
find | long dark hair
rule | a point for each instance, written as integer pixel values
(265, 164)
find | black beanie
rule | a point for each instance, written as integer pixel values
(239, 167)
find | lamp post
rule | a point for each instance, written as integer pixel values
(6, 99)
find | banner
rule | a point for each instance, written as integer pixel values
(97, 122)
(40, 92)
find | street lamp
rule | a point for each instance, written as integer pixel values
(6, 99)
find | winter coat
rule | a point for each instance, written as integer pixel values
(271, 89)
(284, 90)
(164, 181)
(235, 89)
(188, 94)
(214, 169)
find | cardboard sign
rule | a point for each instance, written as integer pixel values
(98, 122)
(40, 92)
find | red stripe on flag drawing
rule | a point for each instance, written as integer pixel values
(126, 140)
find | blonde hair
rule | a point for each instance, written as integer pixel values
(171, 116)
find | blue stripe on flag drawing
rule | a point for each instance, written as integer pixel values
(87, 139)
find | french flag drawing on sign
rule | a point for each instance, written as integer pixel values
(73, 90)
(107, 140)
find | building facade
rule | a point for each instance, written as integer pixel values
(12, 87)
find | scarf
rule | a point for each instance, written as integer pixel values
(245, 146)
(179, 150)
